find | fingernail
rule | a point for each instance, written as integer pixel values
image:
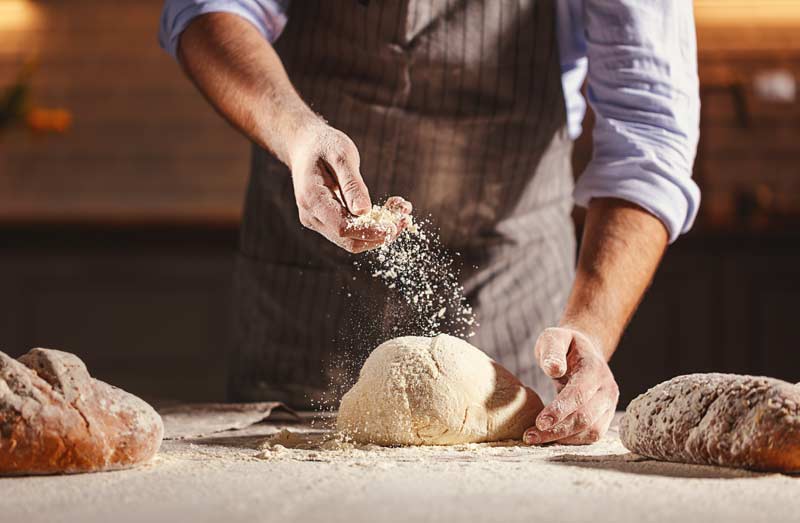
(553, 366)
(545, 422)
(531, 438)
(360, 206)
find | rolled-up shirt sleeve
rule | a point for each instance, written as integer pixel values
(268, 16)
(643, 87)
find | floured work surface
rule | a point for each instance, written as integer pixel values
(294, 471)
(196, 420)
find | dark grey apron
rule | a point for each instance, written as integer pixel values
(456, 106)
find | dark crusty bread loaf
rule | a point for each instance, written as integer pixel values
(718, 419)
(55, 418)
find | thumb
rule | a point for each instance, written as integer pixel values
(354, 191)
(551, 351)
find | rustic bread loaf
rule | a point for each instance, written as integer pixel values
(55, 418)
(718, 419)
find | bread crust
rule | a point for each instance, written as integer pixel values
(730, 420)
(56, 419)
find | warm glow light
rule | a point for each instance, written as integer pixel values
(776, 12)
(18, 14)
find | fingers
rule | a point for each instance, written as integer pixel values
(370, 234)
(402, 207)
(349, 244)
(594, 433)
(398, 204)
(578, 421)
(334, 224)
(404, 222)
(343, 162)
(320, 210)
(551, 351)
(329, 190)
(573, 397)
(587, 390)
(358, 246)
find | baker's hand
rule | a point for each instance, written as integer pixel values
(588, 394)
(329, 189)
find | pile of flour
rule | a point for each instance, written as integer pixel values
(423, 273)
(383, 218)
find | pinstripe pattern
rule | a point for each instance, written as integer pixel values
(455, 105)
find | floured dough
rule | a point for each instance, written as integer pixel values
(435, 391)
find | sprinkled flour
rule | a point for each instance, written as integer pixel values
(422, 271)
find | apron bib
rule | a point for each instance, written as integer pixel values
(455, 105)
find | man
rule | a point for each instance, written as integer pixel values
(467, 109)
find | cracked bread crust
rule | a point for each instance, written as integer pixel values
(56, 419)
(729, 420)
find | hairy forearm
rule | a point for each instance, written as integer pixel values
(621, 248)
(240, 74)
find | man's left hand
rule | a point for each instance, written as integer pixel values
(588, 394)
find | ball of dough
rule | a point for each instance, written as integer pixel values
(435, 391)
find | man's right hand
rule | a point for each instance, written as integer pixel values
(329, 189)
(242, 76)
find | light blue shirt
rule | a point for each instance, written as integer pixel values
(639, 59)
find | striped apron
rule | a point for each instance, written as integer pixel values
(455, 105)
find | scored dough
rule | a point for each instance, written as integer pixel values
(435, 391)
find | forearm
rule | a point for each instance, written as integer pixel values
(621, 248)
(242, 76)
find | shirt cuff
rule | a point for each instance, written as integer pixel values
(266, 15)
(673, 201)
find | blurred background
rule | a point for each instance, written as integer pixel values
(121, 191)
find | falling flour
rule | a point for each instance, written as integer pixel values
(422, 271)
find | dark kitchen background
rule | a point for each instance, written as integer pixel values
(121, 191)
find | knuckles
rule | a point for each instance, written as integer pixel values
(303, 205)
(325, 143)
(339, 159)
(614, 389)
(353, 246)
(592, 435)
(305, 220)
(349, 245)
(342, 229)
(581, 422)
(340, 150)
(579, 396)
(551, 335)
(547, 339)
(352, 185)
